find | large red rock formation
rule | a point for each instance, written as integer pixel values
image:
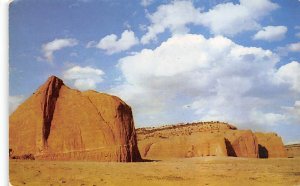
(60, 123)
(270, 145)
(243, 142)
(205, 139)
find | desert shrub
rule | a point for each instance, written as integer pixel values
(24, 157)
(28, 157)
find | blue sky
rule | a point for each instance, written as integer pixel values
(172, 61)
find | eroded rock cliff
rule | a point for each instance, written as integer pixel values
(61, 123)
(206, 139)
(270, 145)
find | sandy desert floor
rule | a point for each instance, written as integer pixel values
(192, 171)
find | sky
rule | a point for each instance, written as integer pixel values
(172, 61)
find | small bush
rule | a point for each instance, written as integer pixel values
(24, 157)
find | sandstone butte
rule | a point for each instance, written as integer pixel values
(207, 139)
(60, 123)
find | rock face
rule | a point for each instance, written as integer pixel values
(205, 139)
(270, 145)
(60, 123)
(244, 143)
(293, 150)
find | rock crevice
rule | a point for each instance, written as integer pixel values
(60, 123)
(50, 93)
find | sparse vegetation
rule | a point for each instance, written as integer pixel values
(200, 124)
(24, 157)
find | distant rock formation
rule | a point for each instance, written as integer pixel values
(206, 139)
(293, 150)
(60, 123)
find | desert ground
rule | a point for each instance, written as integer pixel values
(186, 171)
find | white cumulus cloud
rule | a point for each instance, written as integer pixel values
(230, 19)
(84, 78)
(57, 44)
(111, 44)
(174, 17)
(194, 78)
(271, 33)
(290, 74)
(225, 18)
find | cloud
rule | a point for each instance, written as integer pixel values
(294, 47)
(91, 44)
(230, 19)
(294, 111)
(146, 2)
(84, 78)
(111, 44)
(226, 18)
(290, 74)
(14, 102)
(194, 78)
(57, 44)
(271, 33)
(174, 17)
(267, 118)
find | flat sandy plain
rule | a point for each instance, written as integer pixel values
(190, 171)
